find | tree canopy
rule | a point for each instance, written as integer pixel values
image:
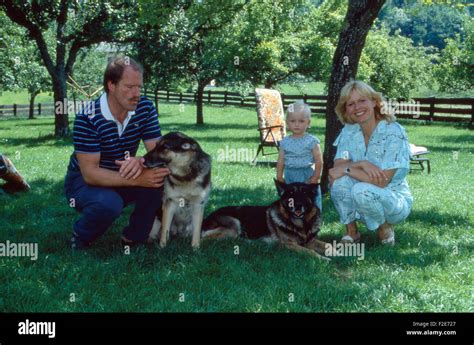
(76, 25)
(240, 43)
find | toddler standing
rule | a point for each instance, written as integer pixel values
(300, 158)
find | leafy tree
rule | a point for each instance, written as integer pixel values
(294, 38)
(239, 46)
(21, 66)
(88, 73)
(393, 65)
(77, 24)
(456, 63)
(425, 22)
(8, 34)
(163, 50)
(325, 22)
(270, 46)
(189, 45)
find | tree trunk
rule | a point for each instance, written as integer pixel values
(61, 120)
(74, 102)
(199, 103)
(32, 104)
(357, 23)
(268, 84)
(156, 98)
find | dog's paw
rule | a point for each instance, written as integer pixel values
(150, 240)
(155, 231)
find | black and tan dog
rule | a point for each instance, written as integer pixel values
(186, 189)
(294, 220)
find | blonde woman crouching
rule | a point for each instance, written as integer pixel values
(368, 180)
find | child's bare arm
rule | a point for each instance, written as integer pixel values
(318, 158)
(280, 165)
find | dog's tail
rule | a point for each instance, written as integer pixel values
(220, 227)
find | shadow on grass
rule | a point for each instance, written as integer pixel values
(231, 142)
(442, 149)
(37, 124)
(458, 139)
(247, 162)
(433, 217)
(407, 123)
(410, 249)
(406, 250)
(49, 219)
(211, 127)
(449, 149)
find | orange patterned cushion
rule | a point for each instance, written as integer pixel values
(270, 113)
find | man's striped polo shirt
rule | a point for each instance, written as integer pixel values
(97, 131)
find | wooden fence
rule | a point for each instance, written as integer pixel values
(431, 108)
(24, 109)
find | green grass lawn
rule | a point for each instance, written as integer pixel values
(429, 269)
(22, 97)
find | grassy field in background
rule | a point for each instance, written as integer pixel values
(429, 269)
(22, 97)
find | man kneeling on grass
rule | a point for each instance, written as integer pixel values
(103, 174)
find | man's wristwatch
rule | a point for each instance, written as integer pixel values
(347, 171)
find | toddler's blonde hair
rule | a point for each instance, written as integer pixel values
(299, 107)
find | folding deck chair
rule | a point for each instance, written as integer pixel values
(271, 120)
(417, 157)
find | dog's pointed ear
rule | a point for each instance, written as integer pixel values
(281, 187)
(159, 142)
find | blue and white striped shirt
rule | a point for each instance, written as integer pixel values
(96, 131)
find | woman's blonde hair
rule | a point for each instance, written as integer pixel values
(381, 110)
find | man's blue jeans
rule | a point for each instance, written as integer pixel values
(101, 206)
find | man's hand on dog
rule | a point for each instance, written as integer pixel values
(152, 178)
(131, 168)
(134, 169)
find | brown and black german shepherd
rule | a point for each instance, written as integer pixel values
(186, 189)
(293, 220)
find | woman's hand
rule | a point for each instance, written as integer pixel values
(374, 172)
(335, 173)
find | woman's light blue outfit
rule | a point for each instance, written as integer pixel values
(299, 160)
(388, 148)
